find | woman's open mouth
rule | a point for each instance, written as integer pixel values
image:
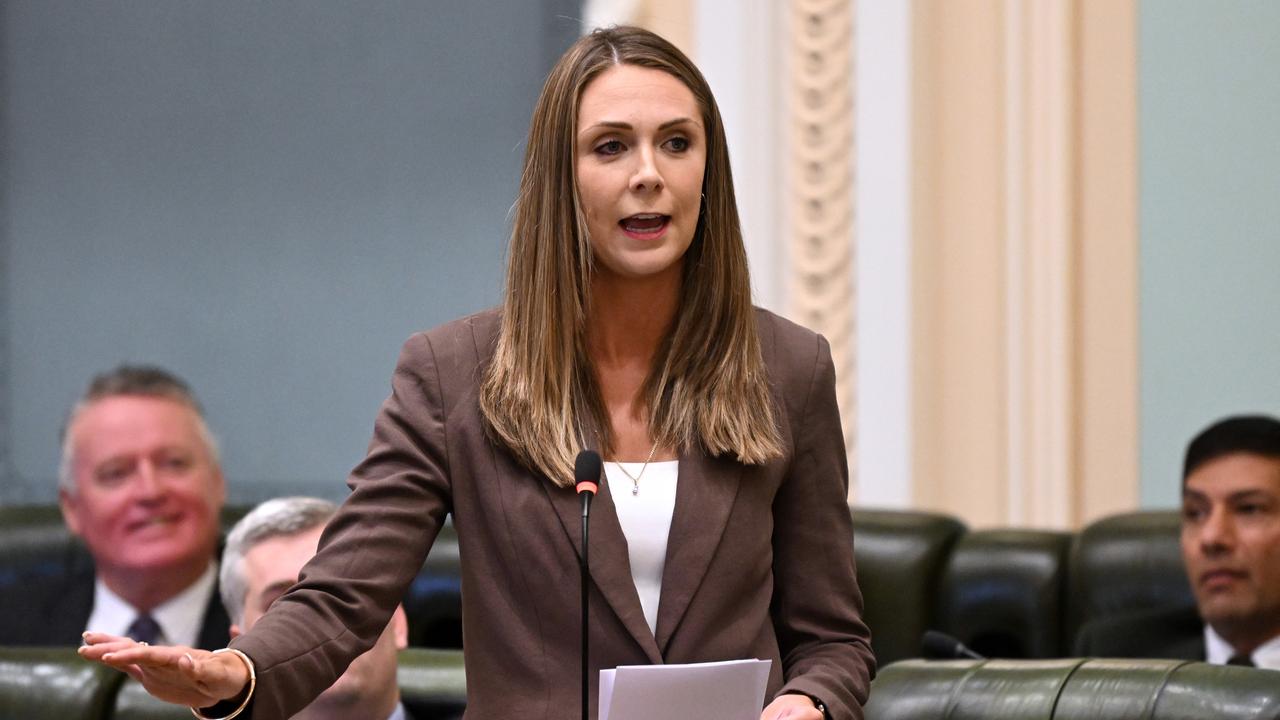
(644, 226)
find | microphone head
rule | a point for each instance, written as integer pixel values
(586, 471)
(941, 646)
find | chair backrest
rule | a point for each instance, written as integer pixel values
(1072, 689)
(900, 556)
(1002, 592)
(1124, 564)
(34, 542)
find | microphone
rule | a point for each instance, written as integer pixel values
(586, 477)
(941, 646)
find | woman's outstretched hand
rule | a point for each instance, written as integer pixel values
(176, 674)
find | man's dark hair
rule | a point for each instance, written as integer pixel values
(134, 381)
(1249, 434)
(140, 380)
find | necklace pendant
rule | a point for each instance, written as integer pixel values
(635, 490)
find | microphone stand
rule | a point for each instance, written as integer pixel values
(587, 473)
(586, 509)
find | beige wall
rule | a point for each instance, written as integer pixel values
(1025, 335)
(1023, 265)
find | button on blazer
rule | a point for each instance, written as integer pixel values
(759, 557)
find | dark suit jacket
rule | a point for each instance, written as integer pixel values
(53, 610)
(759, 558)
(1176, 633)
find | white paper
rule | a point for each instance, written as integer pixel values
(730, 690)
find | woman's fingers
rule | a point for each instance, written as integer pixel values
(94, 638)
(137, 654)
(175, 674)
(95, 650)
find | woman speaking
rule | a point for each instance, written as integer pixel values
(626, 327)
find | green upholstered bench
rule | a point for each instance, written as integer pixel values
(1072, 689)
(54, 684)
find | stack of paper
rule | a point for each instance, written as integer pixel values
(731, 690)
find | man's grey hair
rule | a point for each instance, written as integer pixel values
(280, 517)
(136, 381)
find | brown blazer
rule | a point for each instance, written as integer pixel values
(759, 558)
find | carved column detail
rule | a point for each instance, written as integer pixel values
(820, 212)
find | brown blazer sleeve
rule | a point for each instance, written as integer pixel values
(817, 606)
(369, 552)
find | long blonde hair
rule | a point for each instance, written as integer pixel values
(707, 387)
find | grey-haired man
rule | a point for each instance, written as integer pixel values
(265, 552)
(140, 485)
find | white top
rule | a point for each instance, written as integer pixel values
(179, 617)
(1219, 651)
(645, 517)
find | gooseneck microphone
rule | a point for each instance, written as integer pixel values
(586, 477)
(941, 646)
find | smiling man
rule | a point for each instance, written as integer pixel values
(141, 486)
(1231, 549)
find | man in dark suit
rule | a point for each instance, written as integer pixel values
(1231, 549)
(140, 485)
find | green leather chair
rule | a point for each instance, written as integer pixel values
(1123, 564)
(54, 684)
(900, 556)
(1072, 689)
(33, 541)
(1003, 593)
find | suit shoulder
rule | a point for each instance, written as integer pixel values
(786, 346)
(461, 342)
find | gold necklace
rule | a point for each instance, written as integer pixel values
(635, 479)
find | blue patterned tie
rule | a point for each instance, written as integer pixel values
(144, 629)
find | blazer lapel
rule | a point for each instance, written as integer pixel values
(705, 493)
(610, 566)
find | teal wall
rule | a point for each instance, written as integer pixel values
(1209, 148)
(266, 198)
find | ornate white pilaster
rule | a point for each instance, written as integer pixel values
(820, 213)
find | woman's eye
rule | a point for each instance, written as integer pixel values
(678, 144)
(612, 147)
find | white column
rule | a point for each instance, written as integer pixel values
(739, 49)
(882, 186)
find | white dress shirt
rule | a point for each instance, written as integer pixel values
(179, 618)
(1219, 651)
(645, 517)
